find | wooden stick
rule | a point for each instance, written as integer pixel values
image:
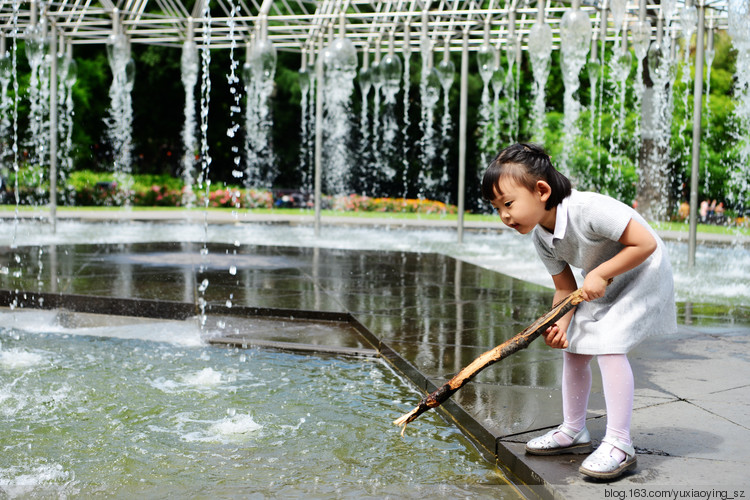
(515, 344)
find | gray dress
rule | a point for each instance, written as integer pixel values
(637, 304)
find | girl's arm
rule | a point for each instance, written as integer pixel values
(565, 284)
(639, 244)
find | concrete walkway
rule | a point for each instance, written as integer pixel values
(431, 315)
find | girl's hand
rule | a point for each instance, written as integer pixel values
(594, 286)
(555, 337)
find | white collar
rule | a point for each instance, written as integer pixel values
(561, 224)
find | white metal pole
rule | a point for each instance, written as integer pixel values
(318, 135)
(462, 126)
(53, 127)
(696, 153)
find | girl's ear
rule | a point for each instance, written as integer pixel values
(543, 190)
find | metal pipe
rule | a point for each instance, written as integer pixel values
(696, 154)
(53, 127)
(318, 135)
(462, 126)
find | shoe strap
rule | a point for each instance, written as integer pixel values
(624, 447)
(568, 432)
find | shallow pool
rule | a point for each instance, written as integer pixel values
(104, 412)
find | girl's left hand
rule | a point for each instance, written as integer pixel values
(594, 287)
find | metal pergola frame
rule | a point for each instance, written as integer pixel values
(372, 25)
(296, 25)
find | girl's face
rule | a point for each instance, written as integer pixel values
(522, 209)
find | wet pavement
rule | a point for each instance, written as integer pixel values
(430, 315)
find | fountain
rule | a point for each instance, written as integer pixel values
(391, 71)
(189, 66)
(487, 64)
(656, 131)
(340, 60)
(739, 29)
(575, 38)
(259, 71)
(119, 122)
(238, 410)
(446, 73)
(307, 115)
(68, 72)
(429, 93)
(540, 50)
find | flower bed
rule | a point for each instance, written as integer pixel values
(85, 188)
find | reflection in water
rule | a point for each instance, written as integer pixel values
(726, 268)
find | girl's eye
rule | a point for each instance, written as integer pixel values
(507, 204)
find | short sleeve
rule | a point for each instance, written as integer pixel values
(605, 217)
(553, 264)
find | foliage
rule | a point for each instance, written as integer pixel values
(357, 203)
(147, 190)
(605, 155)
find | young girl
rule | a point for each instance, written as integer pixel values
(607, 240)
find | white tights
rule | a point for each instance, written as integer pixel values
(617, 380)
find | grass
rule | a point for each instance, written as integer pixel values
(490, 218)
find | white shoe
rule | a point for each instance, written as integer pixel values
(601, 465)
(546, 445)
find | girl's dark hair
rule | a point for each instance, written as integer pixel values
(525, 164)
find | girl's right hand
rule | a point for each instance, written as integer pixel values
(555, 337)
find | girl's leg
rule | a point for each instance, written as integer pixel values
(576, 386)
(617, 379)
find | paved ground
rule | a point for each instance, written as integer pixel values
(432, 315)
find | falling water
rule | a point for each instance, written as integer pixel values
(540, 51)
(656, 132)
(406, 122)
(36, 49)
(305, 152)
(620, 70)
(340, 70)
(6, 103)
(205, 156)
(739, 29)
(709, 54)
(446, 72)
(641, 39)
(189, 67)
(575, 38)
(377, 85)
(67, 72)
(233, 82)
(260, 167)
(119, 120)
(391, 70)
(593, 69)
(512, 85)
(430, 95)
(688, 20)
(499, 108)
(14, 142)
(486, 61)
